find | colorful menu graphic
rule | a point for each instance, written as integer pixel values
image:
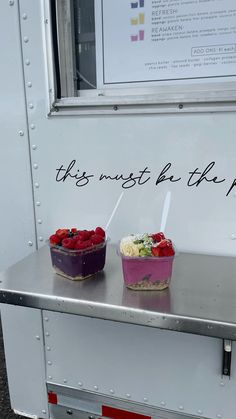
(160, 40)
(137, 21)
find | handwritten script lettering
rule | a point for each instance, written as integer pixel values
(130, 180)
(195, 177)
(63, 174)
(162, 177)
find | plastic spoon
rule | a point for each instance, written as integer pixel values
(165, 211)
(114, 211)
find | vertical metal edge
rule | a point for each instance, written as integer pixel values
(48, 48)
(65, 47)
(27, 118)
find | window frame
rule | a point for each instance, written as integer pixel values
(214, 96)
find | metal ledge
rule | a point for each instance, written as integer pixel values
(201, 298)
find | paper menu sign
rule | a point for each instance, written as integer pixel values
(166, 40)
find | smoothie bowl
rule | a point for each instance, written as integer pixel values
(78, 254)
(147, 261)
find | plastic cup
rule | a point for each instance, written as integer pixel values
(134, 21)
(141, 18)
(147, 273)
(78, 264)
(141, 35)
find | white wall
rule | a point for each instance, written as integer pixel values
(201, 218)
(16, 206)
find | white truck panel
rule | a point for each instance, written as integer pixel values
(168, 370)
(24, 348)
(17, 208)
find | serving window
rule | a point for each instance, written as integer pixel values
(139, 55)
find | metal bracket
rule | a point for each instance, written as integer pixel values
(227, 351)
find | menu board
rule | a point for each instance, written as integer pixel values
(157, 40)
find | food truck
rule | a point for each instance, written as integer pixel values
(119, 114)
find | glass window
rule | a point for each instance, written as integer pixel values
(144, 52)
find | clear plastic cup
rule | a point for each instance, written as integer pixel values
(141, 35)
(141, 18)
(147, 273)
(78, 264)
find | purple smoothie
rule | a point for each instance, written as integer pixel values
(78, 264)
(152, 270)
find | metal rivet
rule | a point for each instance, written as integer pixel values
(145, 399)
(181, 106)
(50, 377)
(41, 239)
(200, 412)
(30, 243)
(115, 108)
(219, 416)
(49, 362)
(32, 126)
(95, 387)
(11, 2)
(47, 334)
(31, 106)
(46, 319)
(111, 391)
(39, 221)
(38, 337)
(38, 203)
(80, 384)
(36, 185)
(233, 236)
(44, 411)
(29, 84)
(163, 403)
(34, 147)
(21, 133)
(24, 16)
(27, 61)
(48, 348)
(64, 381)
(35, 166)
(26, 39)
(222, 384)
(181, 407)
(128, 395)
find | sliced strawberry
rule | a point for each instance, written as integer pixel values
(157, 237)
(168, 251)
(163, 243)
(156, 251)
(100, 231)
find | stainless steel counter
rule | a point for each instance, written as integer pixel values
(200, 300)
